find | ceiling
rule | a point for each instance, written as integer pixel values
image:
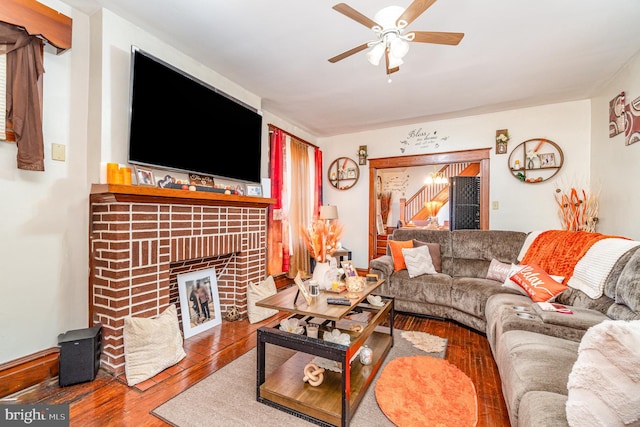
(514, 54)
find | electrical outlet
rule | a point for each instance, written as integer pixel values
(495, 205)
(57, 152)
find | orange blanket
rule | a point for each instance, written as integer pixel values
(558, 251)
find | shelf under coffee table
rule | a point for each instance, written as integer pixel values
(333, 402)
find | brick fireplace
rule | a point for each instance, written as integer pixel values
(141, 238)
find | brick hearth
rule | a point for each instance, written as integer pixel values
(142, 238)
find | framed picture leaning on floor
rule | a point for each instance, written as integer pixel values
(199, 301)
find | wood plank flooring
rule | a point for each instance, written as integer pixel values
(108, 401)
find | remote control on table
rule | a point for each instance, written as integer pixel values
(338, 301)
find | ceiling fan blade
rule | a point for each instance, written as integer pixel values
(350, 12)
(349, 52)
(414, 10)
(389, 70)
(437, 37)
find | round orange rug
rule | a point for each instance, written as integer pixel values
(426, 391)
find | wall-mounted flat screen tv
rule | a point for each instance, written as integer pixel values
(177, 122)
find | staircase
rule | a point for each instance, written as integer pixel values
(413, 208)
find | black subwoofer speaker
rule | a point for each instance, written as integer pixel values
(80, 352)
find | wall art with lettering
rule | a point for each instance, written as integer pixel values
(419, 140)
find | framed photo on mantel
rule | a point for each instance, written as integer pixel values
(254, 190)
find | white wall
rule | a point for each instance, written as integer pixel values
(43, 215)
(522, 206)
(616, 167)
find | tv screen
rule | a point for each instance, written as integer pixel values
(180, 123)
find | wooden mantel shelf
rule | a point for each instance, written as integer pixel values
(144, 194)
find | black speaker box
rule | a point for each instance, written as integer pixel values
(80, 352)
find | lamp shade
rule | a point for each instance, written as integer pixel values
(328, 212)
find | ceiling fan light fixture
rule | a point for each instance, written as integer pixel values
(398, 48)
(388, 16)
(375, 54)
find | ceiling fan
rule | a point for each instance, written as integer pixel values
(392, 39)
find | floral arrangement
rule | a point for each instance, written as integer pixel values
(433, 207)
(322, 237)
(503, 137)
(385, 205)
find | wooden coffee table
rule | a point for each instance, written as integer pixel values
(333, 402)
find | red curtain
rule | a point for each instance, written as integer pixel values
(278, 229)
(274, 222)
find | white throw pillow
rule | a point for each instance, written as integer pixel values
(508, 283)
(257, 292)
(151, 345)
(418, 261)
(604, 383)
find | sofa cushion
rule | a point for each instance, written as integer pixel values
(473, 250)
(528, 361)
(396, 253)
(604, 384)
(437, 290)
(470, 294)
(434, 251)
(418, 261)
(538, 284)
(628, 286)
(502, 315)
(542, 409)
(498, 271)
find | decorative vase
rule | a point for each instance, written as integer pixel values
(322, 275)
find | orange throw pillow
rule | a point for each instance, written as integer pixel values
(396, 253)
(538, 284)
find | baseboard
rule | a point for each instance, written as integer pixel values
(35, 368)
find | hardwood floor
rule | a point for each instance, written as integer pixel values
(108, 401)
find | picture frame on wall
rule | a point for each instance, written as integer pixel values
(199, 301)
(254, 190)
(547, 160)
(145, 177)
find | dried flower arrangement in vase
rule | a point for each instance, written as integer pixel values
(577, 209)
(322, 238)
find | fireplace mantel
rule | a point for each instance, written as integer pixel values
(140, 193)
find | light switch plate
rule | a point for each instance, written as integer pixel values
(58, 152)
(495, 205)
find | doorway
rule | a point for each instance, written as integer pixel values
(481, 155)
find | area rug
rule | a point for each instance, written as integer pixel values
(228, 396)
(446, 397)
(426, 342)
